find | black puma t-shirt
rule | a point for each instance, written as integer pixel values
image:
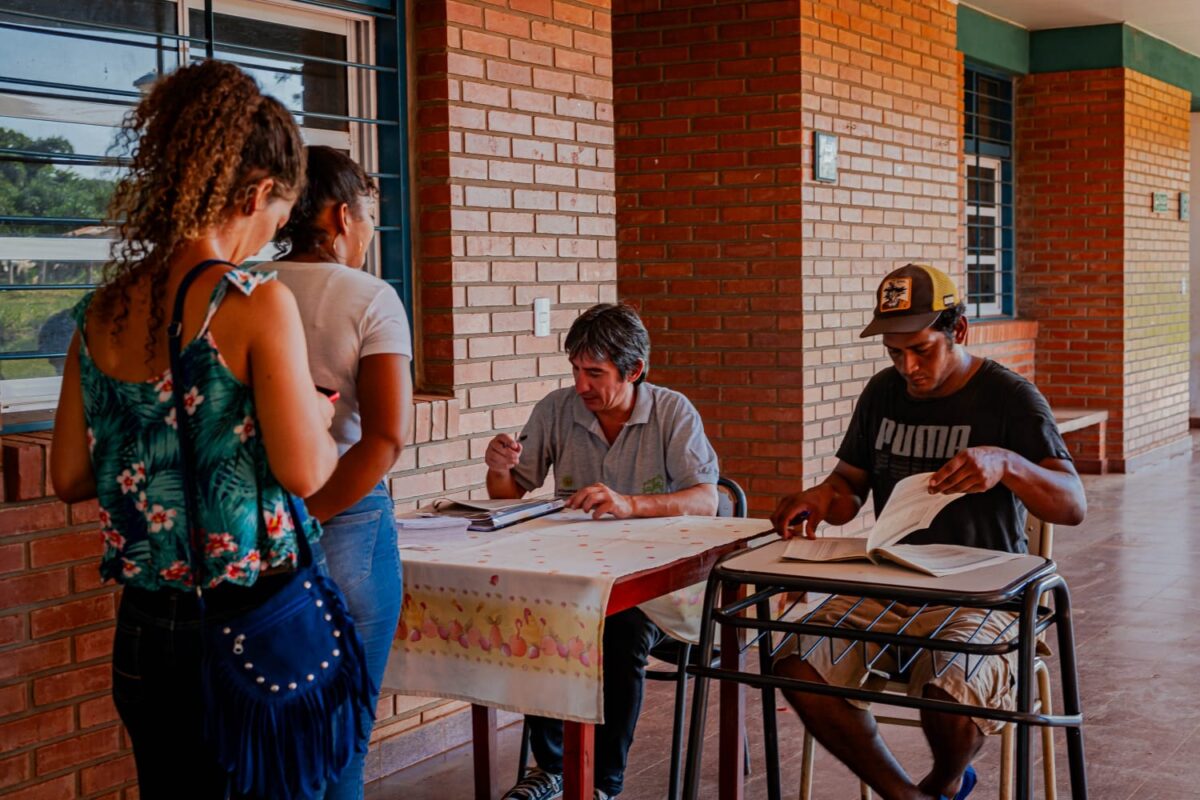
(893, 435)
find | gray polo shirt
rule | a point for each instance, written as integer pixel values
(661, 449)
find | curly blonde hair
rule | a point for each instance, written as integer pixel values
(199, 143)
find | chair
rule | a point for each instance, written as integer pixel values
(1041, 541)
(731, 502)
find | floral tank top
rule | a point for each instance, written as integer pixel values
(134, 446)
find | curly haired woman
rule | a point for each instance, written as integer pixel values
(360, 346)
(215, 169)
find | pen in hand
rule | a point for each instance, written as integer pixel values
(795, 526)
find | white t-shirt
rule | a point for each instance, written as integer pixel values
(348, 314)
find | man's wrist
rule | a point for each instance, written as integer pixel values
(1006, 463)
(635, 505)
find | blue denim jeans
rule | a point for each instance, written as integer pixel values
(156, 684)
(360, 553)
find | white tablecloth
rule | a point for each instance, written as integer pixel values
(513, 619)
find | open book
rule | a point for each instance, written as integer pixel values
(490, 515)
(909, 508)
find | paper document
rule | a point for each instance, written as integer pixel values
(910, 508)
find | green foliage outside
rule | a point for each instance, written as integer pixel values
(32, 189)
(30, 320)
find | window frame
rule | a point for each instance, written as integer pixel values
(995, 150)
(376, 136)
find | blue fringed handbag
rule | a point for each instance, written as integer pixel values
(286, 688)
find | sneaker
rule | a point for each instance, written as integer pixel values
(599, 795)
(537, 785)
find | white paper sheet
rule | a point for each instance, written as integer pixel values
(910, 507)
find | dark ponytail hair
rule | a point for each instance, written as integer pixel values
(333, 178)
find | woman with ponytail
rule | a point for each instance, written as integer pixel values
(214, 170)
(358, 345)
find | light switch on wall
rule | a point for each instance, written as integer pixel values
(541, 316)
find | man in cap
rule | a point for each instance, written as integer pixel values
(981, 430)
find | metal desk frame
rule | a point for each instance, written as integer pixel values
(1022, 597)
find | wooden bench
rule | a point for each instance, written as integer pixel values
(1088, 451)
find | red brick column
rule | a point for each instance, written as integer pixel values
(708, 216)
(1098, 269)
(515, 175)
(1070, 229)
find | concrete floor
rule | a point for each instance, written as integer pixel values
(1134, 572)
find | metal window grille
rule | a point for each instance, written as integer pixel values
(68, 73)
(988, 152)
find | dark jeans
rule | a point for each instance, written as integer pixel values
(156, 684)
(361, 555)
(628, 637)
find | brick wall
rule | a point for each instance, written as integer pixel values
(58, 728)
(515, 181)
(1097, 269)
(1157, 159)
(1070, 219)
(887, 79)
(708, 183)
(1010, 342)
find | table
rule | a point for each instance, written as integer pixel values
(641, 559)
(1016, 586)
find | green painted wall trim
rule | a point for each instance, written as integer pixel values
(1070, 49)
(1117, 45)
(1162, 60)
(987, 40)
(984, 39)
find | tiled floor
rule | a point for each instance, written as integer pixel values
(1134, 572)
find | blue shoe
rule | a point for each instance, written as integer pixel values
(969, 780)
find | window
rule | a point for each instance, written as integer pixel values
(68, 73)
(988, 145)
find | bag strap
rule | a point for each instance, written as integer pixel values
(186, 448)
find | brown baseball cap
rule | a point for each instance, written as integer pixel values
(909, 299)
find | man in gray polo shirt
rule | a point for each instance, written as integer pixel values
(618, 446)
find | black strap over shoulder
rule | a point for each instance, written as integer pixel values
(187, 451)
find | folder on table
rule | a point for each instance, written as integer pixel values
(491, 515)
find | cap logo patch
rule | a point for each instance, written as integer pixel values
(896, 294)
(947, 300)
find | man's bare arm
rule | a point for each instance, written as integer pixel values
(835, 500)
(697, 501)
(599, 499)
(1051, 489)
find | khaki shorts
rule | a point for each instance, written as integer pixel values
(992, 679)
